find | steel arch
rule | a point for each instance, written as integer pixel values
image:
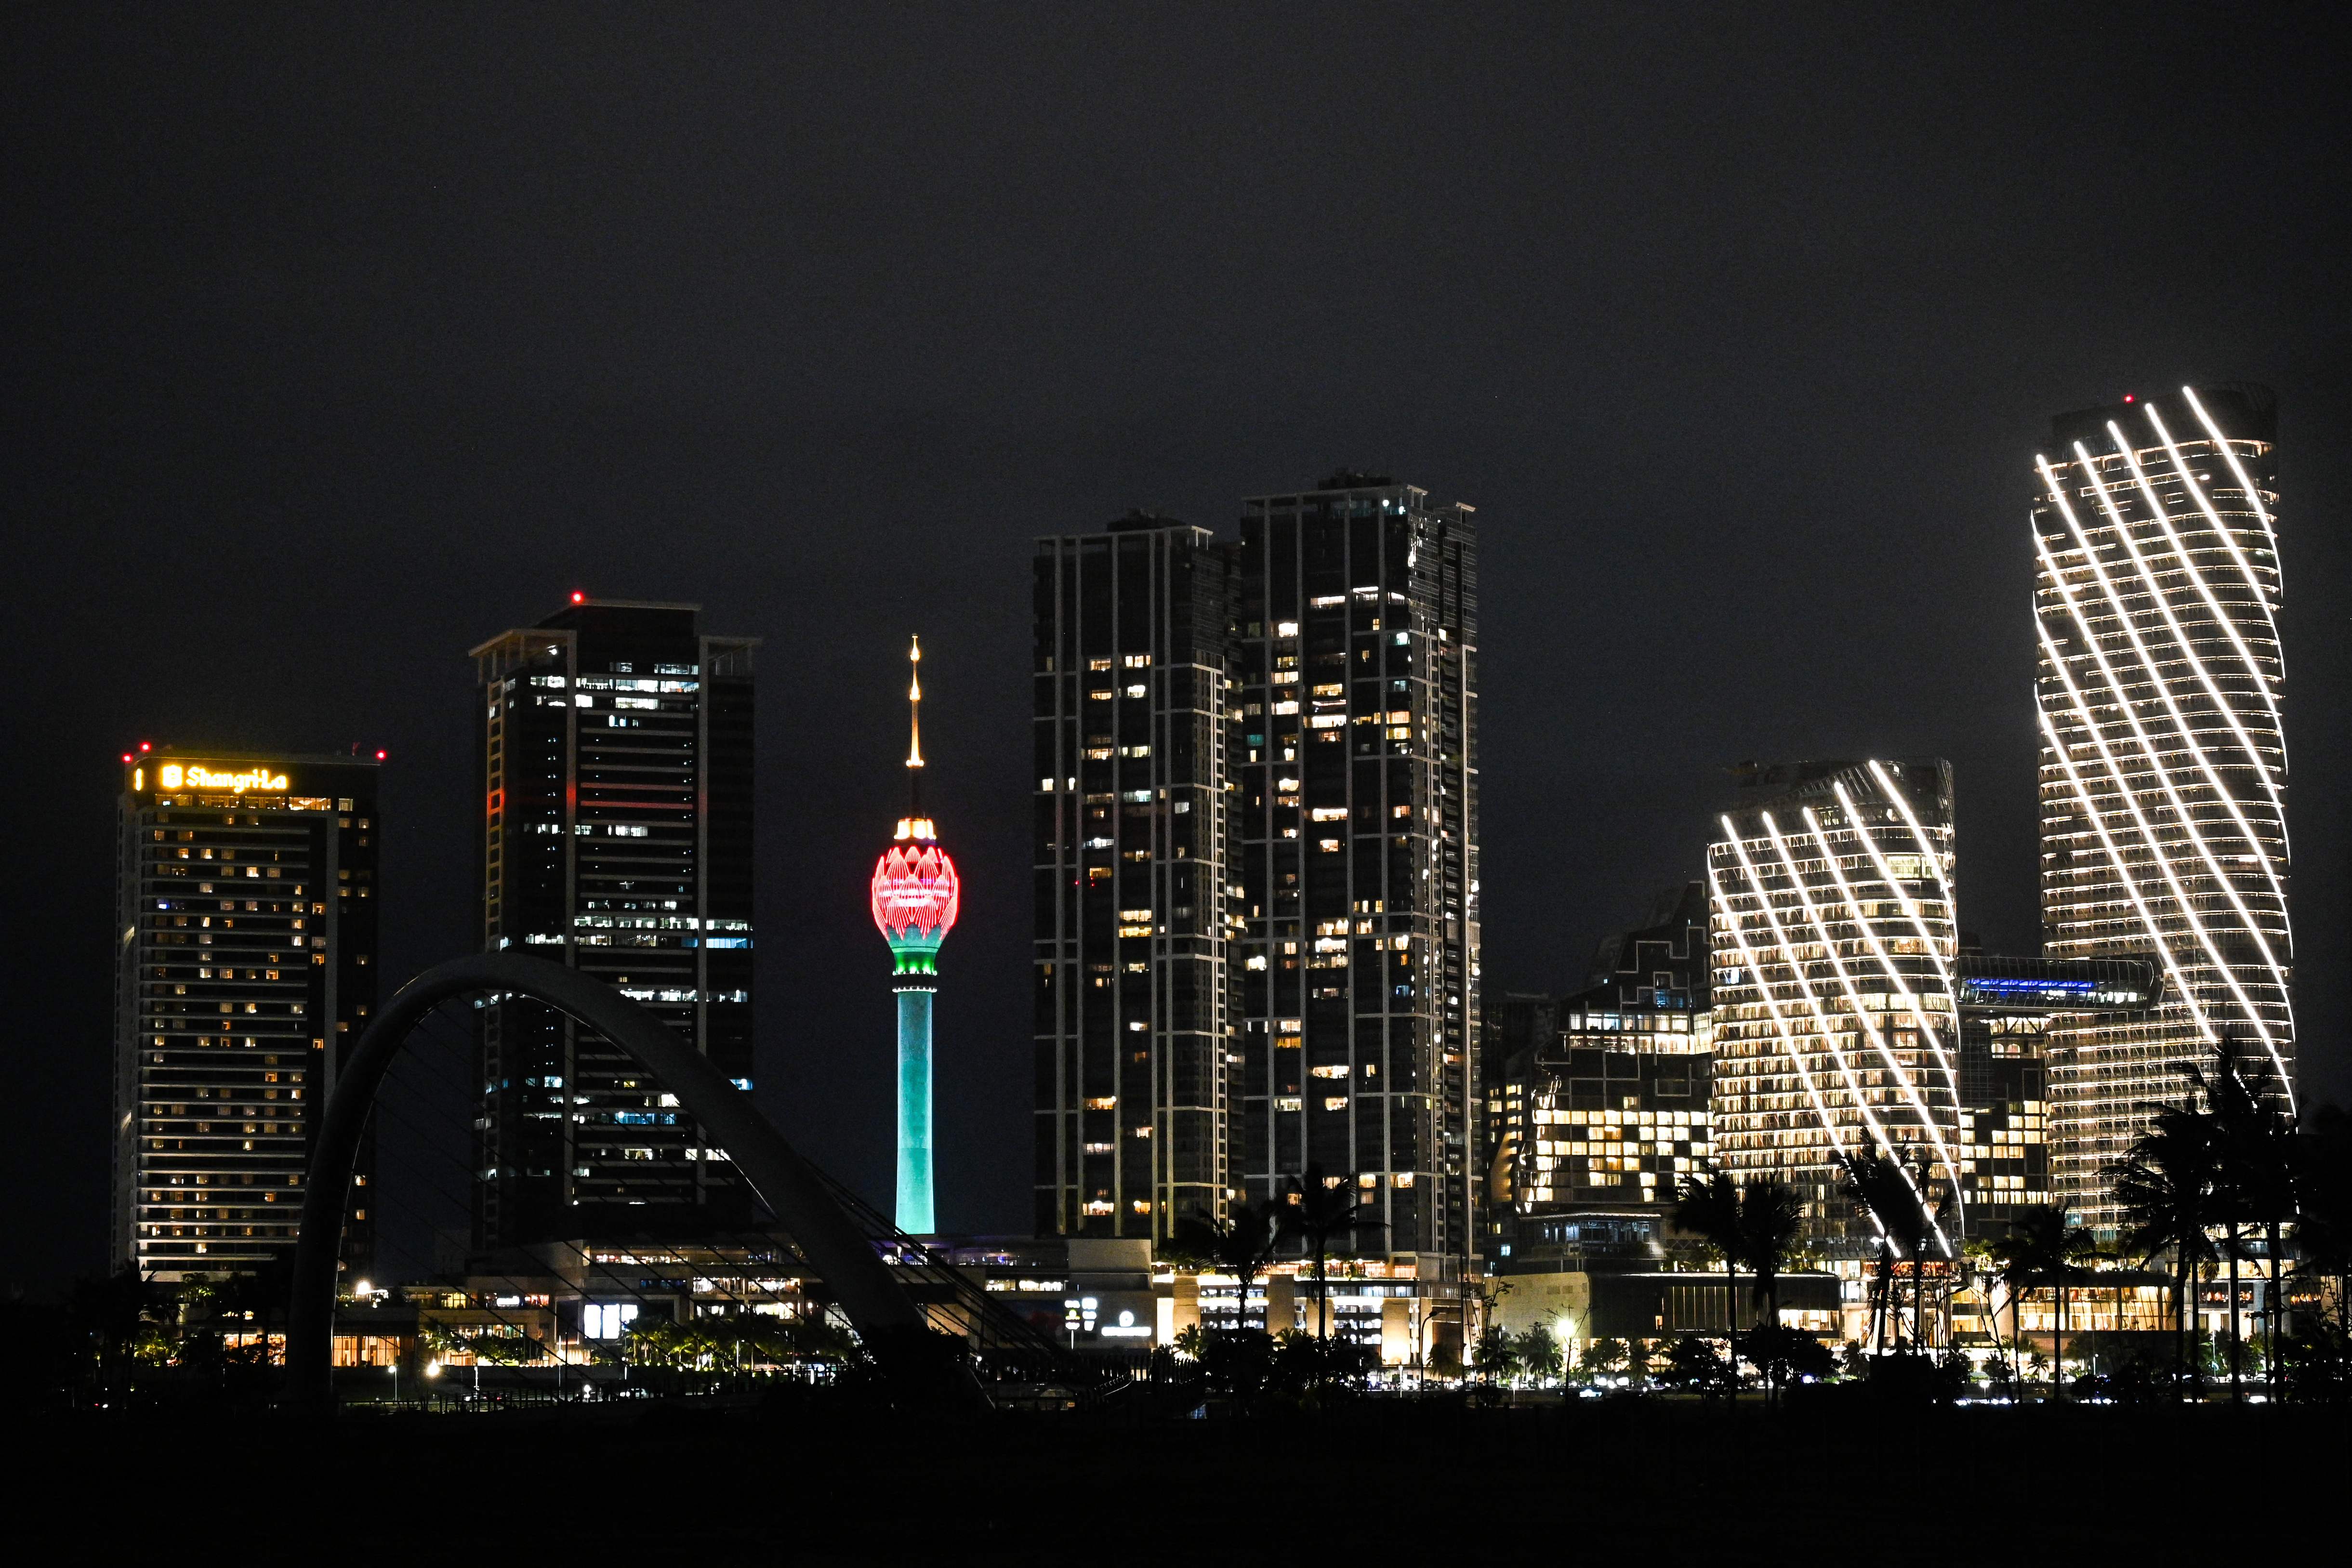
(887, 1319)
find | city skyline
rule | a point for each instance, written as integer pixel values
(343, 347)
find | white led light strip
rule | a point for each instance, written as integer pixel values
(1813, 1005)
(1877, 950)
(2116, 859)
(2204, 674)
(1764, 995)
(1861, 1018)
(2181, 720)
(2147, 749)
(1935, 860)
(2229, 539)
(2222, 444)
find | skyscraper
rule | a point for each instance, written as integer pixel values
(1132, 666)
(915, 896)
(2163, 768)
(615, 743)
(1358, 832)
(1834, 942)
(245, 911)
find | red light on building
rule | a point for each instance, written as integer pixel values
(578, 598)
(379, 756)
(2128, 397)
(126, 757)
(144, 746)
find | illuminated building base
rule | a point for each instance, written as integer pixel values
(914, 1208)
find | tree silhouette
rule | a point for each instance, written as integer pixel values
(2164, 1185)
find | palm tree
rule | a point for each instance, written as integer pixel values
(1879, 1182)
(2043, 1248)
(1241, 1245)
(1772, 1225)
(2254, 1179)
(1709, 1207)
(1320, 1210)
(2323, 1234)
(2165, 1186)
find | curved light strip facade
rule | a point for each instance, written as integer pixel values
(2163, 766)
(1833, 935)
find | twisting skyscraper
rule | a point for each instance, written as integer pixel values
(1834, 1031)
(2163, 766)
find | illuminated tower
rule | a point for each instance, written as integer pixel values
(915, 903)
(2163, 768)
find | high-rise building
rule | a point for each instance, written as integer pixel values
(914, 897)
(615, 743)
(1356, 855)
(1833, 941)
(247, 906)
(2163, 768)
(1132, 665)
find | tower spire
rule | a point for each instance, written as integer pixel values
(915, 727)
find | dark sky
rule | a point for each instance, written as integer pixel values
(339, 340)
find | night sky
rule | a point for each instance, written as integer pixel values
(338, 342)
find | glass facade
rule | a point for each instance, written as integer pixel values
(2163, 764)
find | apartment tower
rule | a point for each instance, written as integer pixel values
(1132, 666)
(1357, 827)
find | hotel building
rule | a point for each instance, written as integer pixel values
(1832, 945)
(1357, 814)
(1134, 931)
(245, 940)
(2163, 764)
(615, 753)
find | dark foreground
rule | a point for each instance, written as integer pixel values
(1671, 1483)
